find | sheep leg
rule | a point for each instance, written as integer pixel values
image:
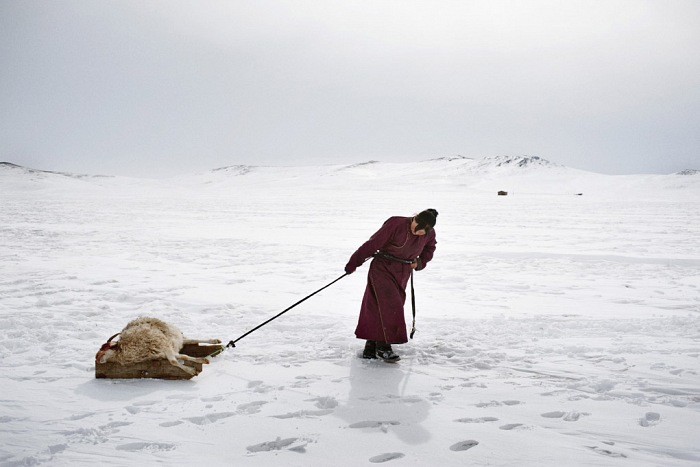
(201, 341)
(187, 358)
(187, 369)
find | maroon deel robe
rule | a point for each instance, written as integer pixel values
(382, 315)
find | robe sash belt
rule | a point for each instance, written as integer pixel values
(381, 254)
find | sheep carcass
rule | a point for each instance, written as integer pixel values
(145, 339)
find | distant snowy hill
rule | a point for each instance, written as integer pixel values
(457, 166)
(514, 174)
(517, 175)
(14, 168)
(434, 172)
(19, 178)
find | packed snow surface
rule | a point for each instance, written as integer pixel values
(557, 325)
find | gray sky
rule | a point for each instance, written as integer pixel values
(156, 88)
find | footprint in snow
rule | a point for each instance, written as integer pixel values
(497, 403)
(556, 414)
(147, 447)
(81, 416)
(305, 381)
(115, 425)
(650, 419)
(305, 414)
(374, 424)
(212, 399)
(173, 423)
(144, 403)
(606, 452)
(56, 448)
(464, 445)
(481, 405)
(568, 416)
(110, 428)
(251, 407)
(383, 426)
(510, 426)
(324, 402)
(258, 386)
(210, 418)
(477, 420)
(138, 406)
(386, 457)
(574, 416)
(290, 444)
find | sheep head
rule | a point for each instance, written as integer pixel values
(107, 350)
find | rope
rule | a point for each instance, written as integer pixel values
(413, 305)
(233, 343)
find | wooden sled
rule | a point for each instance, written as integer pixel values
(159, 369)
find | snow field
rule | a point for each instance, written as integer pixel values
(552, 330)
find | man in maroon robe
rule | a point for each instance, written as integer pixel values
(401, 245)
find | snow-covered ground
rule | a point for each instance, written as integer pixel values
(553, 329)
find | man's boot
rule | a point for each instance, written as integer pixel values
(385, 352)
(370, 350)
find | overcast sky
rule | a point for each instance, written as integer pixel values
(157, 88)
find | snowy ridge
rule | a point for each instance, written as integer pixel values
(10, 167)
(517, 175)
(515, 162)
(514, 174)
(236, 170)
(18, 178)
